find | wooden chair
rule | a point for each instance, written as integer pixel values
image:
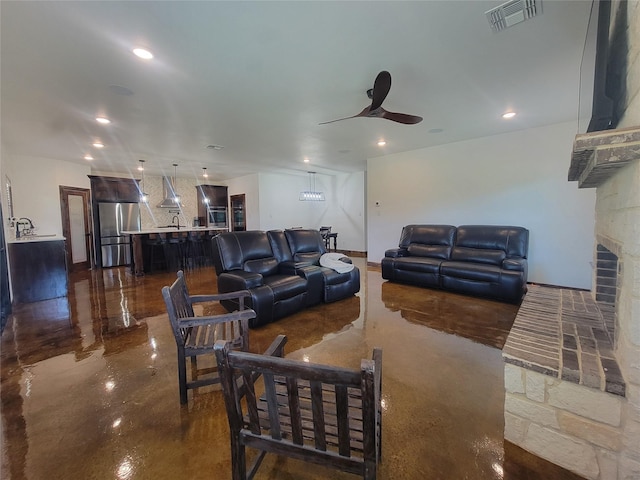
(317, 413)
(197, 335)
(324, 233)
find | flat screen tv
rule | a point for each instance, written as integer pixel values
(602, 77)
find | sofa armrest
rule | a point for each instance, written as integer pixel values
(238, 280)
(516, 264)
(396, 252)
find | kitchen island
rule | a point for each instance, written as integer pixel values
(38, 265)
(144, 241)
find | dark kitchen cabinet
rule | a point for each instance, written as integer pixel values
(38, 270)
(113, 189)
(216, 194)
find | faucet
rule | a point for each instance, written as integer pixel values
(24, 221)
(176, 221)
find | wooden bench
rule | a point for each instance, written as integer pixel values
(317, 413)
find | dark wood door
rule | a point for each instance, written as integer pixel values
(75, 204)
(238, 213)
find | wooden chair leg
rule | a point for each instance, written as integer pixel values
(182, 376)
(238, 461)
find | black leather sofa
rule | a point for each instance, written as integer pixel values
(280, 269)
(483, 260)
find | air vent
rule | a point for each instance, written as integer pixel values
(511, 13)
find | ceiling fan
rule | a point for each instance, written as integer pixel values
(377, 94)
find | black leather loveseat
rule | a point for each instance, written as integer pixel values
(280, 269)
(483, 260)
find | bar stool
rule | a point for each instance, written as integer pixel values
(196, 255)
(175, 250)
(155, 246)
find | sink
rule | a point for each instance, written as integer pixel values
(33, 236)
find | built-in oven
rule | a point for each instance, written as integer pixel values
(217, 217)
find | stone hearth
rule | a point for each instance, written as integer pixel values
(562, 333)
(564, 390)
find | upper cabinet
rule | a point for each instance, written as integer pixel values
(216, 194)
(114, 189)
(211, 196)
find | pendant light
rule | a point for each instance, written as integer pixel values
(311, 195)
(144, 198)
(205, 175)
(176, 197)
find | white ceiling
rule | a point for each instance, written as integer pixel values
(258, 77)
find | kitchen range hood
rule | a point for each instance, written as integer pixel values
(170, 199)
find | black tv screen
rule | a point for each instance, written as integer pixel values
(602, 85)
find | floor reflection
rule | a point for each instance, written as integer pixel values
(89, 383)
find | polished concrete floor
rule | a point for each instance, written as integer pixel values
(89, 384)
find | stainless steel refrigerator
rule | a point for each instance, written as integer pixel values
(114, 219)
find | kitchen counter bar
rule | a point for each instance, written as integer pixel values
(138, 239)
(38, 268)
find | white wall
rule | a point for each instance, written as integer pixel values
(518, 178)
(343, 208)
(35, 185)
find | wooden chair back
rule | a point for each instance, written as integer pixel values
(196, 335)
(318, 413)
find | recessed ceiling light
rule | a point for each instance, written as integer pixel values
(306, 160)
(103, 120)
(382, 143)
(509, 115)
(98, 145)
(143, 53)
(88, 157)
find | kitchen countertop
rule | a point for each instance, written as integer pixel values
(173, 229)
(36, 238)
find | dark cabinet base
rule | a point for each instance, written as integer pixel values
(38, 270)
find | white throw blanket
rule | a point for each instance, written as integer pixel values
(334, 261)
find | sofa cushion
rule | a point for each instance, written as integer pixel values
(514, 241)
(417, 264)
(279, 245)
(471, 271)
(233, 249)
(263, 266)
(478, 255)
(442, 235)
(302, 241)
(434, 251)
(285, 286)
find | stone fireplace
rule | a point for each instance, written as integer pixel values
(572, 359)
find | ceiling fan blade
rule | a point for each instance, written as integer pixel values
(381, 88)
(400, 117)
(363, 113)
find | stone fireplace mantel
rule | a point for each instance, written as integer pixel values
(598, 155)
